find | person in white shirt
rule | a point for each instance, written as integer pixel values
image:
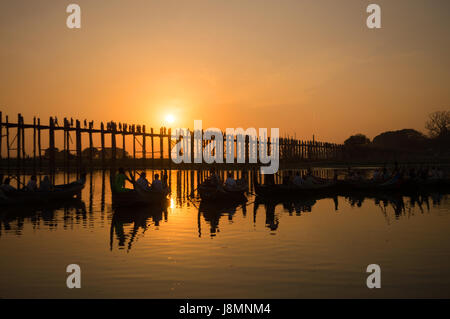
(142, 181)
(230, 182)
(32, 184)
(156, 184)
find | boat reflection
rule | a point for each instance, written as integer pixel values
(139, 218)
(127, 224)
(15, 217)
(269, 207)
(400, 205)
(212, 212)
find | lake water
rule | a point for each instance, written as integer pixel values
(301, 249)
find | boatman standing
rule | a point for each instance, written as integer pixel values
(213, 178)
(156, 184)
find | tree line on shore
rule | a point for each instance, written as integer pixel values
(435, 143)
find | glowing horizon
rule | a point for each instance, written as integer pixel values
(303, 66)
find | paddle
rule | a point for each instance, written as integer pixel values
(192, 192)
(193, 203)
(133, 177)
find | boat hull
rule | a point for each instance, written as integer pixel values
(60, 193)
(345, 188)
(286, 191)
(138, 198)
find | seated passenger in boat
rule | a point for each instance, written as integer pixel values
(398, 176)
(376, 175)
(356, 176)
(6, 187)
(156, 184)
(349, 174)
(46, 185)
(385, 174)
(142, 181)
(230, 182)
(310, 180)
(436, 174)
(32, 184)
(213, 179)
(298, 180)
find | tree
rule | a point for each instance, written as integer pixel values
(402, 139)
(358, 139)
(438, 123)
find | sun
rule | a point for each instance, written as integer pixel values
(170, 118)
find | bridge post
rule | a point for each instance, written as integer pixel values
(144, 147)
(51, 143)
(102, 141)
(78, 146)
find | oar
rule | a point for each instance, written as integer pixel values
(133, 177)
(246, 204)
(192, 192)
(192, 202)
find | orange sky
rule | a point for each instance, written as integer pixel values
(307, 67)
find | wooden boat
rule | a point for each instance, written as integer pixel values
(220, 193)
(333, 188)
(368, 185)
(134, 197)
(222, 206)
(213, 211)
(138, 196)
(58, 193)
(280, 190)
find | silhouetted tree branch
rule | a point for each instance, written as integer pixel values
(438, 123)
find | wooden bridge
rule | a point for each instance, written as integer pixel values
(150, 149)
